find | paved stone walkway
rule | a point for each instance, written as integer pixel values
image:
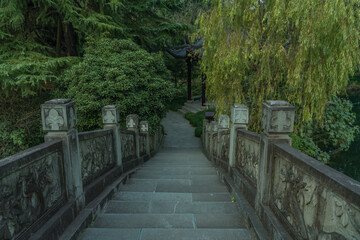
(175, 195)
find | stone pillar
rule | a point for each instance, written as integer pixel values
(213, 129)
(132, 123)
(224, 123)
(277, 120)
(144, 128)
(239, 120)
(110, 119)
(59, 118)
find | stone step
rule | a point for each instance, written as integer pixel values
(163, 196)
(182, 111)
(171, 207)
(191, 108)
(226, 221)
(165, 234)
(194, 106)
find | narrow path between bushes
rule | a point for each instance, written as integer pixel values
(175, 195)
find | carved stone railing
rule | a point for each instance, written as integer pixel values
(248, 155)
(293, 195)
(43, 189)
(128, 145)
(142, 142)
(312, 200)
(96, 153)
(31, 188)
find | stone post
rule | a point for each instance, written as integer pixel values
(277, 120)
(239, 120)
(110, 119)
(144, 128)
(203, 134)
(132, 123)
(59, 118)
(213, 129)
(224, 123)
(207, 140)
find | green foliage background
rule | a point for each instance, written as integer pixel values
(299, 51)
(117, 72)
(39, 39)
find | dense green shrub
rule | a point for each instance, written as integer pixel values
(117, 72)
(336, 130)
(20, 122)
(196, 120)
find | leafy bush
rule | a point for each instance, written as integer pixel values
(20, 123)
(336, 131)
(117, 72)
(196, 120)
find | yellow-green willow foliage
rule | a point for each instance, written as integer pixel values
(299, 51)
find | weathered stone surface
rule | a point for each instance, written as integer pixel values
(110, 114)
(128, 145)
(308, 204)
(142, 142)
(224, 121)
(219, 221)
(239, 114)
(33, 188)
(144, 127)
(248, 154)
(132, 122)
(144, 221)
(58, 115)
(96, 153)
(278, 117)
(111, 234)
(224, 145)
(196, 234)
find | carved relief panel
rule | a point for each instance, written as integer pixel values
(29, 192)
(214, 144)
(128, 146)
(97, 156)
(248, 157)
(142, 142)
(225, 146)
(310, 209)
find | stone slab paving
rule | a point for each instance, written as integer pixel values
(175, 195)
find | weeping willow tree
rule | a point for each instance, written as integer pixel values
(299, 51)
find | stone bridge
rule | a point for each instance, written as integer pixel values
(135, 184)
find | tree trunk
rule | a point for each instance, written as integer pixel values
(70, 39)
(58, 37)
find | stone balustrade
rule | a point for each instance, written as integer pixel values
(44, 188)
(294, 195)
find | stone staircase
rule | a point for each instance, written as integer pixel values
(193, 107)
(176, 195)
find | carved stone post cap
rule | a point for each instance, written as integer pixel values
(239, 114)
(144, 127)
(110, 114)
(224, 122)
(58, 101)
(214, 126)
(132, 122)
(277, 117)
(58, 115)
